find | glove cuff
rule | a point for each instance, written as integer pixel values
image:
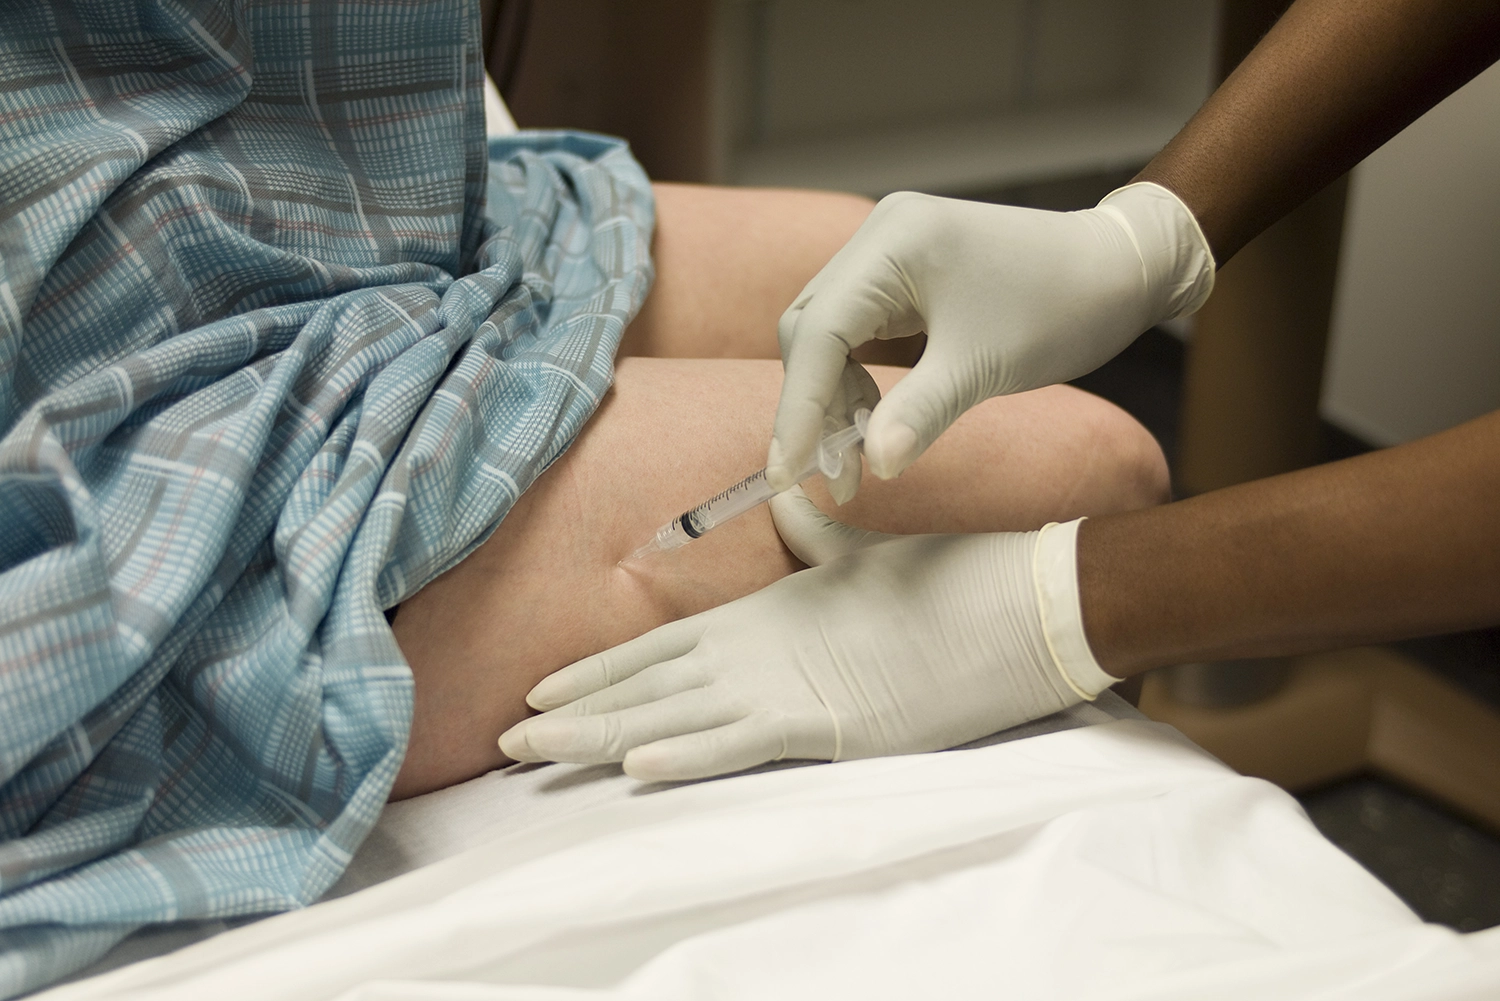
(1055, 574)
(1176, 261)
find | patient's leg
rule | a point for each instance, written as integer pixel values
(546, 589)
(729, 261)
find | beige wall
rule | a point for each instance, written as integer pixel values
(1415, 344)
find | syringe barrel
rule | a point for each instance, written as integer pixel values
(753, 490)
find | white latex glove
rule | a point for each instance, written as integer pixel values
(888, 645)
(1010, 298)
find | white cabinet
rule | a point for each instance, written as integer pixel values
(1415, 340)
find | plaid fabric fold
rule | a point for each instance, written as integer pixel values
(281, 339)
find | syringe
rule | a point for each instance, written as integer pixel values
(752, 491)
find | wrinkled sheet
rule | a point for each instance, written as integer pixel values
(281, 339)
(1114, 861)
(426, 829)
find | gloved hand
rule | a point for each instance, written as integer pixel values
(1011, 299)
(888, 645)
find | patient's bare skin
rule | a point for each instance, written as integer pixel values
(729, 261)
(546, 589)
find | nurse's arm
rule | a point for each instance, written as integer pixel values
(1330, 83)
(1392, 544)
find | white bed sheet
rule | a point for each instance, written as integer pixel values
(497, 117)
(428, 829)
(1110, 861)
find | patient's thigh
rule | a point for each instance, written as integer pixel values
(729, 261)
(546, 588)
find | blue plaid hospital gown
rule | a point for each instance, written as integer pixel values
(280, 341)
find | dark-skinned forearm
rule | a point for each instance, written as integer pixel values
(1397, 543)
(1331, 82)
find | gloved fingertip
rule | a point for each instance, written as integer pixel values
(842, 489)
(812, 536)
(891, 449)
(778, 475)
(546, 695)
(552, 738)
(793, 494)
(798, 521)
(514, 745)
(648, 764)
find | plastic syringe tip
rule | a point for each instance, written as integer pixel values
(670, 536)
(641, 553)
